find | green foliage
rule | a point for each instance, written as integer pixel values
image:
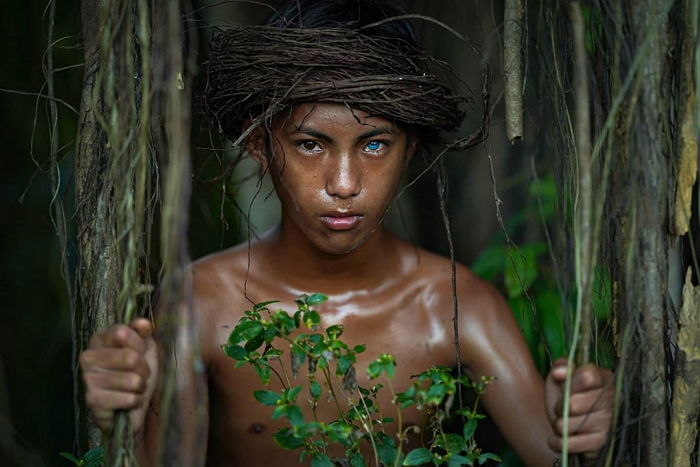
(530, 286)
(330, 366)
(93, 458)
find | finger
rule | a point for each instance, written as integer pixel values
(114, 360)
(143, 327)
(585, 402)
(583, 443)
(120, 335)
(103, 418)
(558, 370)
(102, 400)
(124, 381)
(589, 377)
(588, 423)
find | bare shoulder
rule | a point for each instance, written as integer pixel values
(221, 276)
(477, 299)
(219, 293)
(485, 320)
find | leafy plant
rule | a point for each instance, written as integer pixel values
(330, 369)
(92, 458)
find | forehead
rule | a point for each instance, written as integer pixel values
(330, 116)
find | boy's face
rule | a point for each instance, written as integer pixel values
(336, 171)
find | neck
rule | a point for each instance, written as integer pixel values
(301, 265)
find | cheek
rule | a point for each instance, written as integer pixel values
(296, 182)
(385, 183)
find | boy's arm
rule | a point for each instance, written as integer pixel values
(527, 413)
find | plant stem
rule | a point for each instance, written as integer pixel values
(399, 422)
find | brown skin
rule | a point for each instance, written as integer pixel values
(388, 294)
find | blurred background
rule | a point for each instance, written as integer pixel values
(489, 182)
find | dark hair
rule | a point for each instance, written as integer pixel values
(345, 14)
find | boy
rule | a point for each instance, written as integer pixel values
(336, 169)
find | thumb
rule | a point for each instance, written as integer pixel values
(557, 373)
(554, 387)
(143, 327)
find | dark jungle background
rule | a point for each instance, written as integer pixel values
(498, 196)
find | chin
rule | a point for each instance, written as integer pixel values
(342, 244)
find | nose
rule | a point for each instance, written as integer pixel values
(344, 179)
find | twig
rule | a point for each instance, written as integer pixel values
(513, 68)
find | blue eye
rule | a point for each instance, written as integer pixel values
(373, 146)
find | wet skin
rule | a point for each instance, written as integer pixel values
(335, 177)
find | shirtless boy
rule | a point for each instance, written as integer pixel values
(336, 170)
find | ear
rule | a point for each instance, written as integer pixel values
(255, 145)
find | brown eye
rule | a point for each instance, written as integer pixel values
(309, 146)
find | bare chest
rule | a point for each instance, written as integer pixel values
(415, 337)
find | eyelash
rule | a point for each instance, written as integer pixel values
(300, 145)
(381, 149)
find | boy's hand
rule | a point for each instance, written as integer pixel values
(120, 372)
(590, 407)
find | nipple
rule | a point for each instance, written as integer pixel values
(256, 428)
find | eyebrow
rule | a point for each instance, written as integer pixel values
(324, 137)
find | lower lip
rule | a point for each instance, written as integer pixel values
(340, 223)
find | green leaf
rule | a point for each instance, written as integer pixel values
(388, 363)
(285, 322)
(321, 460)
(452, 443)
(267, 397)
(315, 390)
(263, 305)
(311, 319)
(334, 331)
(291, 393)
(458, 460)
(356, 460)
(236, 352)
(386, 448)
(244, 331)
(470, 428)
(286, 438)
(256, 341)
(294, 415)
(487, 456)
(374, 370)
(95, 457)
(359, 348)
(339, 432)
(278, 412)
(418, 456)
(435, 394)
(316, 299)
(263, 370)
(344, 363)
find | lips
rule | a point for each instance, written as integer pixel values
(341, 221)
